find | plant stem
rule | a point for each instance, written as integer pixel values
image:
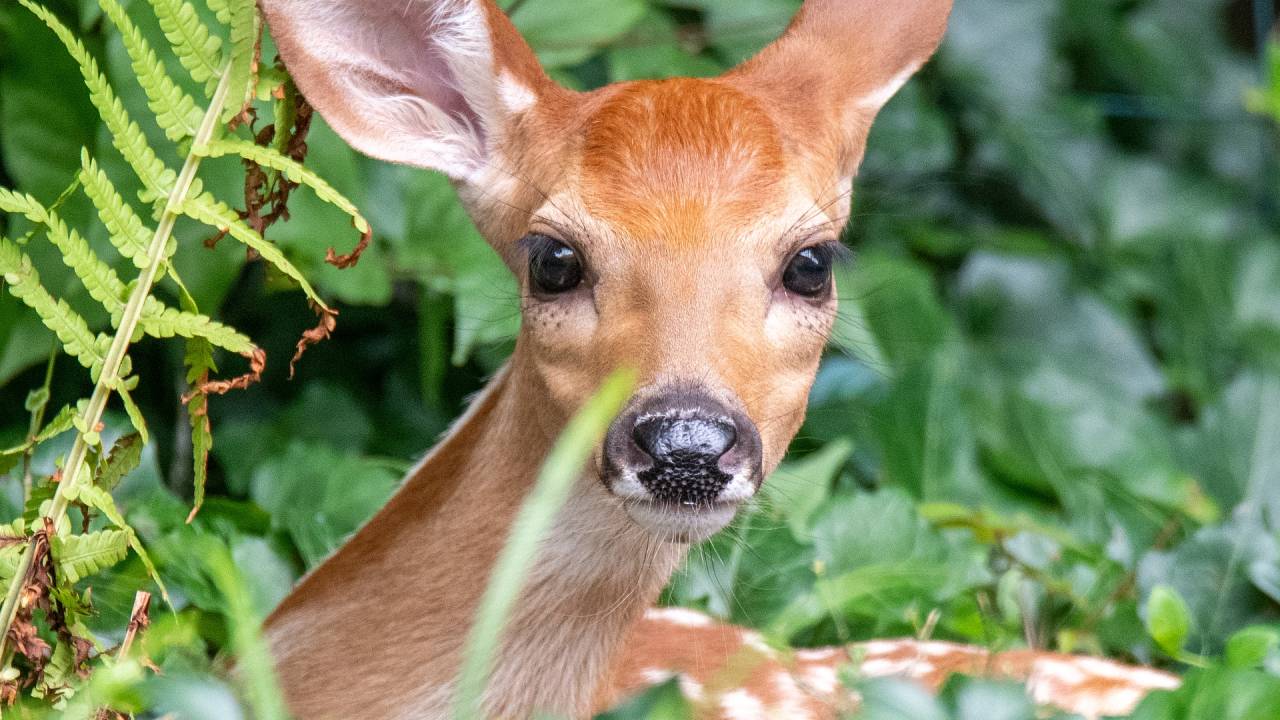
(37, 419)
(119, 344)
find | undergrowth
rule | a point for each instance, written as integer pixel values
(71, 529)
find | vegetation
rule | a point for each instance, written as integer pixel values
(1050, 415)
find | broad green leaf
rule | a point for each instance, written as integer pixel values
(1168, 619)
(1248, 648)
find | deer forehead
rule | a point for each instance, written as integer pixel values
(680, 162)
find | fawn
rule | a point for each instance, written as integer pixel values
(683, 227)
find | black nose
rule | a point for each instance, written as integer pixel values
(683, 447)
(683, 440)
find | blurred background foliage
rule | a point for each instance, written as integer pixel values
(1054, 390)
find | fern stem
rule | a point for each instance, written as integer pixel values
(119, 343)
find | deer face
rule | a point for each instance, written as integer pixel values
(684, 228)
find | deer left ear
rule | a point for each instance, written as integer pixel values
(423, 82)
(839, 62)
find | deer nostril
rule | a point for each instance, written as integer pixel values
(672, 440)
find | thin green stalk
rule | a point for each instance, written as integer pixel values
(561, 469)
(37, 419)
(119, 345)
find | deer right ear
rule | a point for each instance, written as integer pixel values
(421, 82)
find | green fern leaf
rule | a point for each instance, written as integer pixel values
(99, 279)
(125, 455)
(58, 425)
(126, 230)
(165, 322)
(245, 25)
(199, 361)
(55, 681)
(211, 211)
(72, 331)
(197, 49)
(134, 413)
(175, 112)
(79, 556)
(126, 136)
(101, 500)
(291, 169)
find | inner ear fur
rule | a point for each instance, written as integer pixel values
(421, 82)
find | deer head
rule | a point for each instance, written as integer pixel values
(684, 227)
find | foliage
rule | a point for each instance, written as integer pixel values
(45, 643)
(1050, 415)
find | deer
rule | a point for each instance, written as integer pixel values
(685, 228)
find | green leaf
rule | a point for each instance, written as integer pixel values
(211, 211)
(166, 322)
(198, 359)
(99, 279)
(24, 283)
(242, 18)
(124, 456)
(125, 133)
(1168, 619)
(554, 28)
(101, 500)
(797, 489)
(126, 230)
(291, 169)
(60, 423)
(132, 410)
(79, 556)
(174, 110)
(1248, 648)
(197, 49)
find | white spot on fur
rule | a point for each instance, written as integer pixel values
(821, 679)
(679, 616)
(515, 97)
(910, 666)
(755, 641)
(820, 655)
(740, 704)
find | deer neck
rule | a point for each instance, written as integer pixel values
(402, 592)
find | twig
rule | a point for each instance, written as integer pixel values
(138, 620)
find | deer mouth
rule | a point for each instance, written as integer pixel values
(681, 521)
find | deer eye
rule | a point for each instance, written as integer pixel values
(554, 267)
(808, 273)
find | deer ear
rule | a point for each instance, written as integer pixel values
(428, 83)
(840, 61)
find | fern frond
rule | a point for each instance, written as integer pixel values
(99, 279)
(199, 51)
(79, 556)
(242, 18)
(292, 169)
(101, 500)
(72, 331)
(165, 322)
(128, 233)
(199, 361)
(124, 457)
(53, 683)
(131, 409)
(175, 112)
(60, 423)
(126, 136)
(211, 211)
